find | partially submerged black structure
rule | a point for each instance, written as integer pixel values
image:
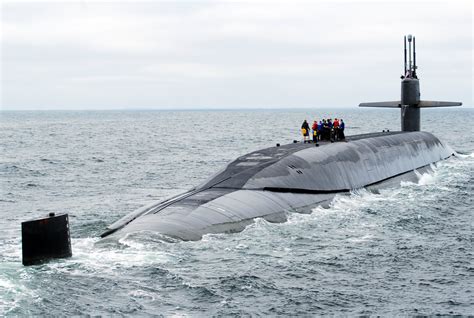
(270, 182)
(45, 238)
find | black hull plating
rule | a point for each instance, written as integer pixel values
(271, 182)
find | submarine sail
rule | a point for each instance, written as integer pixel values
(410, 102)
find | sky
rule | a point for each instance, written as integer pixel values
(229, 54)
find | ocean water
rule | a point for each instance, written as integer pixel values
(403, 251)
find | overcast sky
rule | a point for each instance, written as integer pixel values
(229, 54)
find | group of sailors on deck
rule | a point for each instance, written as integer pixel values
(325, 129)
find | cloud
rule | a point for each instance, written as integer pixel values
(93, 54)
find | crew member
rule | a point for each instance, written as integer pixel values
(331, 130)
(335, 126)
(305, 130)
(315, 131)
(326, 130)
(320, 129)
(341, 130)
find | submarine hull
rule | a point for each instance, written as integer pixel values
(271, 182)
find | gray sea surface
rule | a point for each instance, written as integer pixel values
(404, 251)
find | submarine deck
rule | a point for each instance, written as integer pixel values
(239, 171)
(236, 176)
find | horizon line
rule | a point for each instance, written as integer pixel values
(190, 109)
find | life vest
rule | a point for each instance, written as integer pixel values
(303, 131)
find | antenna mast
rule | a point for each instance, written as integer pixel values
(414, 59)
(405, 46)
(409, 56)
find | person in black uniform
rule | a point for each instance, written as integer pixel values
(342, 125)
(326, 130)
(305, 130)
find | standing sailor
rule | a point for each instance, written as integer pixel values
(341, 130)
(315, 131)
(305, 130)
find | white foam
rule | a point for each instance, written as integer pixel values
(6, 284)
(465, 156)
(141, 294)
(426, 178)
(108, 259)
(13, 292)
(361, 239)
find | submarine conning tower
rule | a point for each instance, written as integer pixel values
(410, 102)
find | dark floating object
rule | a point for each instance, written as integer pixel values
(278, 145)
(45, 239)
(268, 183)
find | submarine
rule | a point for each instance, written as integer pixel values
(272, 182)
